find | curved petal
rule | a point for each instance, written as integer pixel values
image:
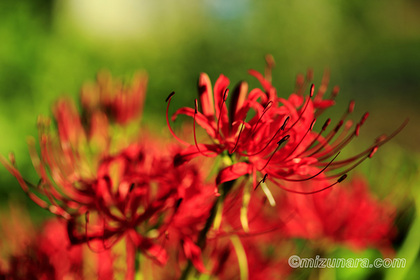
(206, 123)
(193, 253)
(219, 94)
(265, 84)
(205, 95)
(192, 151)
(233, 172)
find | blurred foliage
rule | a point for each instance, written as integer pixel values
(50, 48)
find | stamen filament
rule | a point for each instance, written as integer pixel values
(168, 100)
(315, 175)
(220, 110)
(342, 178)
(195, 136)
(284, 139)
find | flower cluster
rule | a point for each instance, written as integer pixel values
(110, 181)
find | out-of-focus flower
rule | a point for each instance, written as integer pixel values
(40, 255)
(121, 103)
(69, 159)
(108, 187)
(349, 216)
(263, 133)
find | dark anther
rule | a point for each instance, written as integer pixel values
(178, 202)
(312, 124)
(284, 139)
(169, 96)
(265, 177)
(338, 126)
(285, 123)
(342, 178)
(225, 95)
(326, 124)
(311, 93)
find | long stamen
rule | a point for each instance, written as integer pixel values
(311, 93)
(315, 175)
(378, 142)
(324, 127)
(284, 139)
(341, 121)
(327, 139)
(252, 132)
(341, 179)
(271, 140)
(266, 108)
(261, 181)
(195, 136)
(370, 155)
(239, 136)
(225, 94)
(168, 100)
(339, 144)
(301, 140)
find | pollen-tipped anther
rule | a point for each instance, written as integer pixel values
(312, 124)
(311, 92)
(342, 178)
(265, 177)
(284, 139)
(339, 125)
(170, 96)
(225, 94)
(195, 106)
(326, 124)
(285, 123)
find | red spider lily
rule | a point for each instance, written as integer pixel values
(344, 216)
(47, 256)
(120, 103)
(106, 189)
(278, 140)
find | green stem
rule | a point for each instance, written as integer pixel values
(131, 258)
(202, 236)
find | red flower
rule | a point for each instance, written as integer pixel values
(267, 134)
(48, 255)
(349, 216)
(108, 187)
(121, 103)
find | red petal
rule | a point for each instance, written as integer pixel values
(237, 101)
(265, 84)
(219, 91)
(191, 152)
(207, 123)
(206, 95)
(193, 253)
(233, 172)
(152, 250)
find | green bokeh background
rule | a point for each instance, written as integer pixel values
(372, 49)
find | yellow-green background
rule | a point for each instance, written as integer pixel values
(372, 48)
